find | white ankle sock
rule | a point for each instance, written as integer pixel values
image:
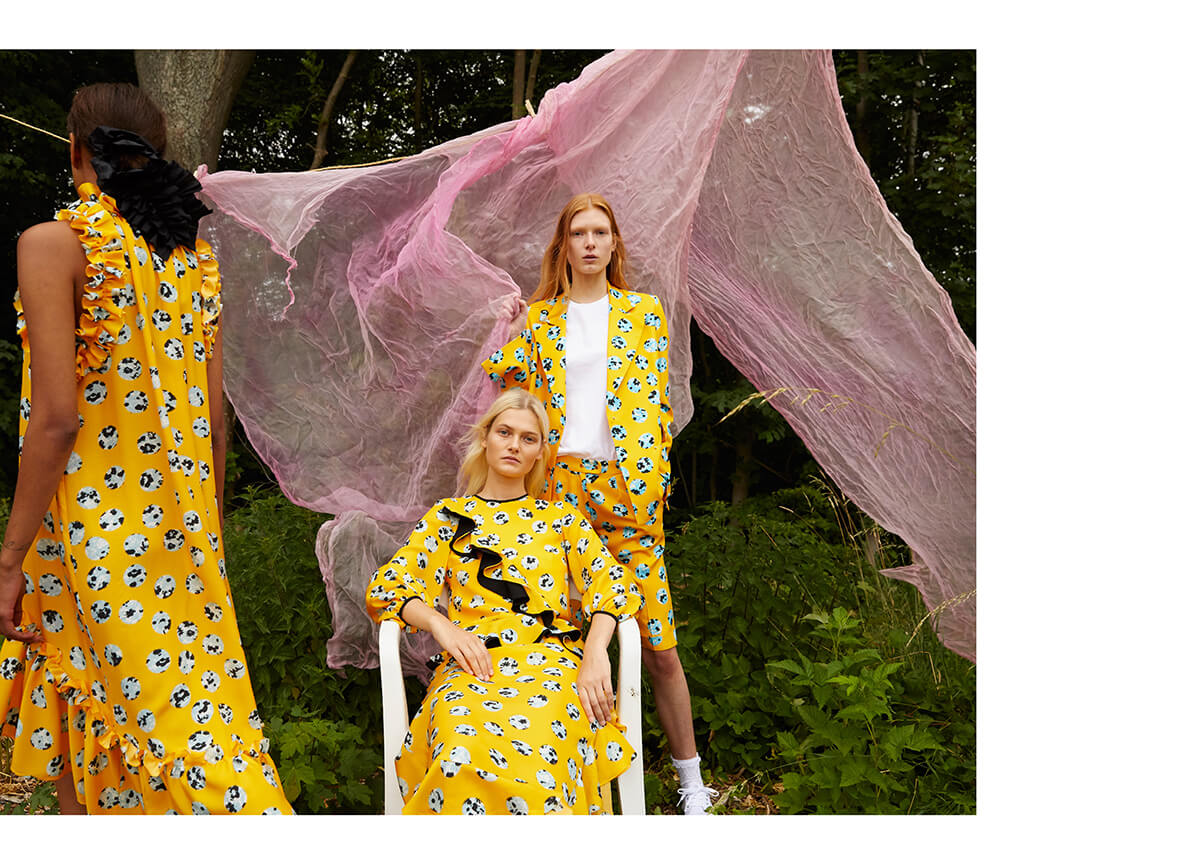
(689, 771)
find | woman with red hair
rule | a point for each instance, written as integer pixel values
(596, 353)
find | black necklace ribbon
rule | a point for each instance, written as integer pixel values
(158, 199)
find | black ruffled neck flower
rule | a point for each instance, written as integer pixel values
(158, 199)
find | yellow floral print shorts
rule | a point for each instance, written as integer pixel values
(597, 489)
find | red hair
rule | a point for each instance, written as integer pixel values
(556, 273)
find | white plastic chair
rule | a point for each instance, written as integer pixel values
(630, 784)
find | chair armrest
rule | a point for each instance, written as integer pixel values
(395, 711)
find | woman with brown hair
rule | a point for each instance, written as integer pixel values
(596, 353)
(122, 675)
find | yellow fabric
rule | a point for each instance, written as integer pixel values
(519, 743)
(140, 689)
(639, 395)
(628, 515)
(597, 489)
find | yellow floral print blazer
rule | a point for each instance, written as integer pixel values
(638, 396)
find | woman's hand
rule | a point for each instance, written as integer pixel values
(465, 647)
(518, 323)
(595, 684)
(12, 592)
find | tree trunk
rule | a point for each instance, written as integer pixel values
(860, 112)
(327, 113)
(533, 65)
(518, 101)
(744, 451)
(912, 118)
(418, 87)
(195, 88)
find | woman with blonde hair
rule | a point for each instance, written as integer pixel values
(518, 717)
(596, 354)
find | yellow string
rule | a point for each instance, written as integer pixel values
(837, 402)
(327, 168)
(32, 127)
(361, 164)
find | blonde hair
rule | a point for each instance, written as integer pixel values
(473, 472)
(556, 273)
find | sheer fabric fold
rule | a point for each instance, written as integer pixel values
(359, 302)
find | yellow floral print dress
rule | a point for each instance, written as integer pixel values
(140, 689)
(519, 743)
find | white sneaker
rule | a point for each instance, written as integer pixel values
(697, 799)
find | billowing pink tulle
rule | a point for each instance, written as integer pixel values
(359, 303)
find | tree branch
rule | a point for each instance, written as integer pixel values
(327, 113)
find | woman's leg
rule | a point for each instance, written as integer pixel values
(673, 700)
(598, 491)
(68, 804)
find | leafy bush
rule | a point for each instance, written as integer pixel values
(327, 766)
(325, 725)
(807, 669)
(866, 748)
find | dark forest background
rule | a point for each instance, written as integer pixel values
(763, 549)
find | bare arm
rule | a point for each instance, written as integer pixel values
(595, 672)
(463, 646)
(216, 415)
(50, 264)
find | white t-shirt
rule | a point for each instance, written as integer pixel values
(587, 432)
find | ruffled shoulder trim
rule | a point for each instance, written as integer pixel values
(210, 292)
(93, 219)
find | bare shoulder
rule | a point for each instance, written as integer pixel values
(49, 236)
(49, 256)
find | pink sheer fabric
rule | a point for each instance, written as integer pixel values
(359, 303)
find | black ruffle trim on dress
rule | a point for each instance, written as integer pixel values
(515, 593)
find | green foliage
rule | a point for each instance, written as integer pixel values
(808, 670)
(754, 451)
(393, 103)
(863, 745)
(657, 795)
(325, 724)
(327, 766)
(42, 800)
(913, 117)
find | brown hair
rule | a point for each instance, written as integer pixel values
(556, 273)
(474, 470)
(119, 105)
